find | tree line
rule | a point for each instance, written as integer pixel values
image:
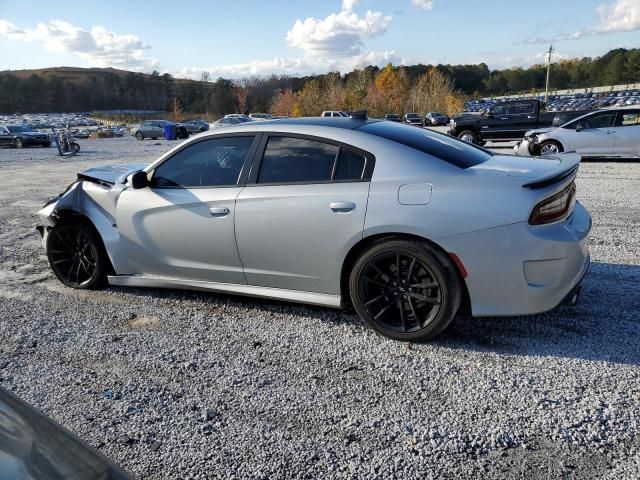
(392, 89)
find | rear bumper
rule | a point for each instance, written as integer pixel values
(521, 269)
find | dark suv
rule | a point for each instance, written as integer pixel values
(413, 119)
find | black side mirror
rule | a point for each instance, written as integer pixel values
(139, 180)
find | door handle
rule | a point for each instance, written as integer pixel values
(342, 207)
(219, 211)
(504, 118)
(531, 117)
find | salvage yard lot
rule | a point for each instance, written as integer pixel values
(176, 384)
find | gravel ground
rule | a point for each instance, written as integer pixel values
(173, 384)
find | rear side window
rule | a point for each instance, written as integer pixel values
(297, 160)
(350, 165)
(444, 147)
(521, 108)
(629, 118)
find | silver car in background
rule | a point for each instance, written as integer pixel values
(406, 225)
(610, 133)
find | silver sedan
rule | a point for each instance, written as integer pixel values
(609, 133)
(407, 226)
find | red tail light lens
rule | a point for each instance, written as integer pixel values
(554, 208)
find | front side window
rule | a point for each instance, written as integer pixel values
(214, 162)
(297, 160)
(600, 120)
(499, 110)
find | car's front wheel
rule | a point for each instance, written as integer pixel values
(405, 289)
(76, 256)
(139, 136)
(550, 147)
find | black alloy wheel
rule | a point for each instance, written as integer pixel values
(75, 256)
(405, 289)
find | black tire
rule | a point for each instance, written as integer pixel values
(17, 143)
(139, 136)
(387, 301)
(75, 148)
(47, 145)
(548, 147)
(154, 138)
(76, 256)
(468, 136)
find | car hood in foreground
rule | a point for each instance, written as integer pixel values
(526, 167)
(111, 173)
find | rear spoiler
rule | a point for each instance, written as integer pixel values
(569, 164)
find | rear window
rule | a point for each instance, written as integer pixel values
(444, 147)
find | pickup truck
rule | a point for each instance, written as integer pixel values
(507, 121)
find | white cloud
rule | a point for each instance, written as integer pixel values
(340, 33)
(333, 43)
(618, 16)
(99, 47)
(621, 16)
(349, 4)
(293, 66)
(423, 4)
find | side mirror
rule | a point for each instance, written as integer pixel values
(138, 180)
(489, 113)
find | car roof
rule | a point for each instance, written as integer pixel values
(336, 122)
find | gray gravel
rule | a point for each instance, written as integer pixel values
(173, 384)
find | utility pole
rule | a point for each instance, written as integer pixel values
(546, 89)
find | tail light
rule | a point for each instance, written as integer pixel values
(554, 208)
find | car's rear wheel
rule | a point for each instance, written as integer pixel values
(550, 147)
(18, 143)
(405, 289)
(139, 136)
(76, 256)
(468, 136)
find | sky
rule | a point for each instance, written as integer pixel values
(243, 38)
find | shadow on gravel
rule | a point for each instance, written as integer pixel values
(604, 326)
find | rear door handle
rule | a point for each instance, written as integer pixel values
(531, 117)
(342, 207)
(219, 211)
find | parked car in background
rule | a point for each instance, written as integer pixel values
(228, 121)
(435, 118)
(334, 113)
(153, 129)
(609, 133)
(260, 116)
(413, 119)
(506, 121)
(19, 136)
(195, 126)
(415, 225)
(393, 117)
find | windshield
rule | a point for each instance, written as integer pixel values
(444, 147)
(18, 129)
(413, 115)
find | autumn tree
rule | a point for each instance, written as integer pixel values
(176, 110)
(310, 101)
(283, 103)
(434, 92)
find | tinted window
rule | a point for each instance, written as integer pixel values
(499, 109)
(600, 120)
(210, 163)
(444, 147)
(288, 159)
(18, 129)
(350, 165)
(521, 108)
